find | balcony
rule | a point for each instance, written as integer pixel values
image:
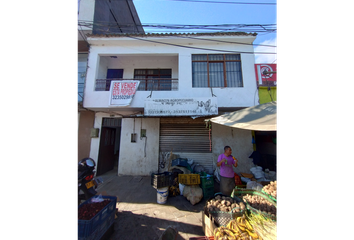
(161, 84)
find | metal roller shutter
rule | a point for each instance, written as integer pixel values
(188, 141)
(184, 138)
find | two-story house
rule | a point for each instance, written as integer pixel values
(184, 79)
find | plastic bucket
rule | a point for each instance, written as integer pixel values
(162, 194)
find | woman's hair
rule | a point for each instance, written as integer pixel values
(226, 147)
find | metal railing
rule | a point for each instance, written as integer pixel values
(160, 84)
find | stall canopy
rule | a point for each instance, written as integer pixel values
(262, 117)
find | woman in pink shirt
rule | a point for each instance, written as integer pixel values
(227, 177)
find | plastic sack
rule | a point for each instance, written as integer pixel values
(198, 168)
(181, 187)
(98, 198)
(193, 193)
(217, 174)
(254, 185)
(190, 161)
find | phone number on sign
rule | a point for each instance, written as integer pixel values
(121, 97)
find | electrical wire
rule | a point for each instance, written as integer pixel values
(213, 40)
(261, 28)
(208, 49)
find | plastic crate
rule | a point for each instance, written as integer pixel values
(206, 181)
(98, 225)
(208, 192)
(189, 179)
(160, 180)
(181, 162)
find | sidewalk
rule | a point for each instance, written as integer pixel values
(141, 217)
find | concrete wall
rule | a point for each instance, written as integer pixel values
(240, 142)
(136, 158)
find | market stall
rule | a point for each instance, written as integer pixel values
(255, 218)
(247, 214)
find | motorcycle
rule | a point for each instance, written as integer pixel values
(86, 181)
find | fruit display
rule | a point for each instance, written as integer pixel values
(271, 189)
(237, 229)
(261, 204)
(89, 210)
(224, 204)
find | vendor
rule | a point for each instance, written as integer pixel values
(225, 162)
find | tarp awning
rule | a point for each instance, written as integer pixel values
(261, 117)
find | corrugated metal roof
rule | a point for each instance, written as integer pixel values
(172, 34)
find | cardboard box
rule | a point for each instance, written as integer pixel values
(208, 225)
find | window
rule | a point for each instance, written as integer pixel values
(216, 70)
(153, 79)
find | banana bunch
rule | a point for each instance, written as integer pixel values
(236, 229)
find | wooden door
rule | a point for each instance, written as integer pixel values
(106, 151)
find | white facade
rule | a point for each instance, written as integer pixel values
(142, 157)
(132, 54)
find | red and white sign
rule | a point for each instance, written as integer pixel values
(122, 92)
(266, 74)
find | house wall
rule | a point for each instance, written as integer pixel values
(138, 158)
(86, 121)
(264, 94)
(240, 142)
(141, 157)
(148, 56)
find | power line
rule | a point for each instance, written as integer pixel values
(213, 40)
(208, 49)
(247, 3)
(224, 27)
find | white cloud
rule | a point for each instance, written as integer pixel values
(266, 58)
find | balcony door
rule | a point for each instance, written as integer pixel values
(113, 74)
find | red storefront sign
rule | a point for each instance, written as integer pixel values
(266, 74)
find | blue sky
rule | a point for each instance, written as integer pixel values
(197, 13)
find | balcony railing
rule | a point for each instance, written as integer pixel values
(161, 84)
